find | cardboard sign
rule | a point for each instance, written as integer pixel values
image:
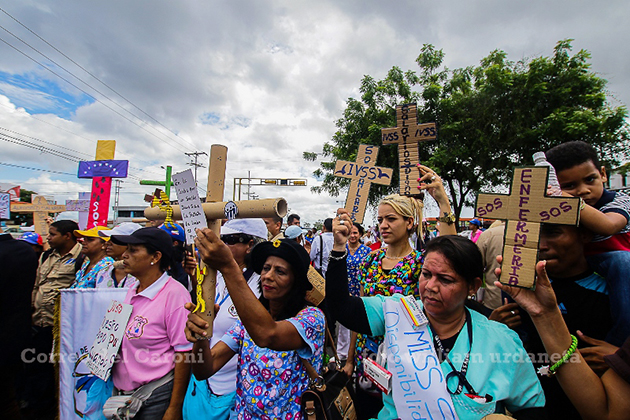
(40, 208)
(5, 206)
(82, 205)
(77, 205)
(525, 208)
(362, 173)
(407, 135)
(318, 292)
(108, 339)
(190, 204)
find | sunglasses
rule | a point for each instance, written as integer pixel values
(235, 239)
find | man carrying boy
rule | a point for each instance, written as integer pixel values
(607, 215)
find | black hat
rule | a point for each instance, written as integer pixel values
(155, 237)
(287, 249)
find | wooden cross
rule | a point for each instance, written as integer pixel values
(362, 173)
(215, 209)
(102, 170)
(41, 209)
(407, 135)
(525, 208)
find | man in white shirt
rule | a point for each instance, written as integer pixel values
(321, 246)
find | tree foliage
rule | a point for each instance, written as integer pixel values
(490, 118)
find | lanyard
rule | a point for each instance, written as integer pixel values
(247, 274)
(459, 374)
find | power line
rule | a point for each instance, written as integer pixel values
(91, 74)
(96, 99)
(36, 169)
(53, 125)
(73, 133)
(67, 156)
(34, 138)
(73, 75)
(42, 149)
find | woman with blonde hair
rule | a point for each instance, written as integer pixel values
(394, 268)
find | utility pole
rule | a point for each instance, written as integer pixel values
(117, 189)
(249, 185)
(195, 164)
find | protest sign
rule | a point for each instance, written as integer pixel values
(525, 208)
(80, 391)
(108, 339)
(407, 135)
(189, 204)
(362, 173)
(5, 206)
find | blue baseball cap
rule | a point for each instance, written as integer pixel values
(32, 238)
(176, 231)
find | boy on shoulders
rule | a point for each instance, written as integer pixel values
(607, 215)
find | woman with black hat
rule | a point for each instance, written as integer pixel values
(274, 333)
(153, 353)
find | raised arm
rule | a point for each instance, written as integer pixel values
(348, 310)
(206, 361)
(262, 328)
(432, 183)
(594, 398)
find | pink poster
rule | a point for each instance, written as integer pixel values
(99, 201)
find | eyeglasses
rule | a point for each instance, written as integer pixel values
(235, 239)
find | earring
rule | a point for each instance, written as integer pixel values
(152, 263)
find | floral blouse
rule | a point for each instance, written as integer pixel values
(87, 280)
(354, 264)
(269, 383)
(402, 278)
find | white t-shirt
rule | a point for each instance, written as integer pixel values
(105, 280)
(327, 240)
(224, 381)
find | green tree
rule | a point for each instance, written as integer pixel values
(490, 118)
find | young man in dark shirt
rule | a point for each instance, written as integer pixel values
(582, 299)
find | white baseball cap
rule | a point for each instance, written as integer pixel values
(252, 227)
(126, 228)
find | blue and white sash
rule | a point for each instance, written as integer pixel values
(418, 384)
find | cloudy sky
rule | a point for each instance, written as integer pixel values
(268, 79)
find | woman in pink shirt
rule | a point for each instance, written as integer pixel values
(154, 349)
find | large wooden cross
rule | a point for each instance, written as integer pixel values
(41, 209)
(362, 173)
(102, 170)
(215, 209)
(407, 135)
(525, 208)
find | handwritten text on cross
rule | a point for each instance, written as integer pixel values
(363, 173)
(408, 134)
(525, 208)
